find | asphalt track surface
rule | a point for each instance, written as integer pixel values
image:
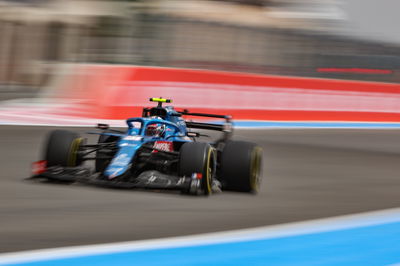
(308, 174)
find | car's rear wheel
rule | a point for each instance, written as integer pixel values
(198, 161)
(62, 149)
(241, 166)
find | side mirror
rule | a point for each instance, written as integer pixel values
(103, 126)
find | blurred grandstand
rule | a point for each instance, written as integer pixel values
(284, 37)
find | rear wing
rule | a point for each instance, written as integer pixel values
(228, 118)
(226, 127)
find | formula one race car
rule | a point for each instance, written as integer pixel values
(157, 151)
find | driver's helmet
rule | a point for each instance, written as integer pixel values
(155, 130)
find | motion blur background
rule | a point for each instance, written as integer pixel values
(346, 39)
(80, 62)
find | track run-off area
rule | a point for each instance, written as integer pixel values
(309, 174)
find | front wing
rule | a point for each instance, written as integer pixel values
(147, 180)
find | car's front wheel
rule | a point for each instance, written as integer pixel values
(198, 161)
(62, 149)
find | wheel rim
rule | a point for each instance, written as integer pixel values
(255, 167)
(209, 172)
(73, 153)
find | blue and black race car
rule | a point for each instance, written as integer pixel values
(159, 150)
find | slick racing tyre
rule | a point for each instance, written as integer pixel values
(62, 149)
(101, 155)
(198, 161)
(241, 166)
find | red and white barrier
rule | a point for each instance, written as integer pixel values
(118, 92)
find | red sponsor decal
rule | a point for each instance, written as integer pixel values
(39, 167)
(197, 176)
(163, 146)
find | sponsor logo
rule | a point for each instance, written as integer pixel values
(163, 146)
(181, 123)
(197, 176)
(137, 138)
(120, 160)
(115, 172)
(128, 145)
